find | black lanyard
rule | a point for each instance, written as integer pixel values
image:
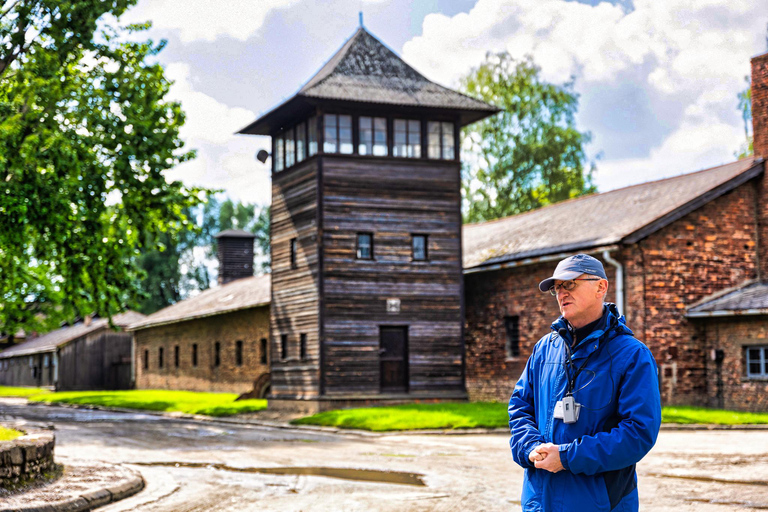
(569, 357)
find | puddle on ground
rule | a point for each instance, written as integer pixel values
(711, 479)
(360, 475)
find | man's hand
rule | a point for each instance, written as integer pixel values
(547, 456)
(535, 455)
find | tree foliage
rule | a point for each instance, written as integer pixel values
(528, 155)
(86, 132)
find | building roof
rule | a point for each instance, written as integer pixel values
(365, 71)
(624, 215)
(49, 342)
(235, 233)
(248, 292)
(748, 299)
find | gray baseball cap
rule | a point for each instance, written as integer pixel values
(572, 267)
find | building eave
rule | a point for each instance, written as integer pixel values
(726, 313)
(695, 204)
(140, 327)
(544, 256)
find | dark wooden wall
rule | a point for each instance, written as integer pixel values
(295, 291)
(19, 371)
(392, 198)
(97, 361)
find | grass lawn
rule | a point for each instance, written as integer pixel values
(486, 415)
(190, 402)
(8, 434)
(686, 414)
(414, 417)
(21, 392)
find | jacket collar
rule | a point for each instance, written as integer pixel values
(613, 324)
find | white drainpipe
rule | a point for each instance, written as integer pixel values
(619, 280)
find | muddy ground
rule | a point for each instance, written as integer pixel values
(195, 466)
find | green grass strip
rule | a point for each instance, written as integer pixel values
(487, 415)
(21, 392)
(8, 434)
(414, 417)
(688, 415)
(189, 402)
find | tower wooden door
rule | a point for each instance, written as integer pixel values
(393, 358)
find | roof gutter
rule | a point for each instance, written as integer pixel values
(726, 313)
(619, 279)
(539, 259)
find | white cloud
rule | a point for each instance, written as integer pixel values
(692, 147)
(208, 120)
(207, 20)
(694, 53)
(224, 160)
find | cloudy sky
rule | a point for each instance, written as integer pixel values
(658, 79)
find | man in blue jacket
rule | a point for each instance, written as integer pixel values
(586, 408)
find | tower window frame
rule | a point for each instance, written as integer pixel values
(441, 144)
(407, 141)
(422, 253)
(364, 246)
(337, 134)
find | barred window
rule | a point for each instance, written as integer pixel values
(512, 331)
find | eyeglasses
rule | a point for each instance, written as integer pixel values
(568, 285)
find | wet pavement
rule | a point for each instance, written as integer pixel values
(199, 466)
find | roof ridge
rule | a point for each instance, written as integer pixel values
(755, 160)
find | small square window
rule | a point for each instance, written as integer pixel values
(512, 332)
(757, 361)
(364, 246)
(419, 244)
(283, 347)
(293, 253)
(263, 354)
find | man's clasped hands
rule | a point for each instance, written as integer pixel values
(546, 456)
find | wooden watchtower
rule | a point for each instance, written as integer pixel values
(367, 290)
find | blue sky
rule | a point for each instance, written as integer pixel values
(657, 79)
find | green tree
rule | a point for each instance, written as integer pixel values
(86, 133)
(528, 155)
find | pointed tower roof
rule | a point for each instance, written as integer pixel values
(365, 71)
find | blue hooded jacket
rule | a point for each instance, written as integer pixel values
(618, 423)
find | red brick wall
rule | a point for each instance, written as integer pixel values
(706, 251)
(491, 296)
(249, 325)
(736, 391)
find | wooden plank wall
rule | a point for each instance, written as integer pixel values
(393, 199)
(294, 307)
(96, 361)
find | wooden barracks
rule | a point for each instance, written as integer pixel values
(367, 300)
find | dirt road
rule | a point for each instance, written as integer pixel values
(195, 466)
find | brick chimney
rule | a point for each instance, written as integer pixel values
(235, 254)
(760, 143)
(760, 104)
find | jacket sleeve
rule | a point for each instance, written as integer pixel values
(639, 412)
(522, 416)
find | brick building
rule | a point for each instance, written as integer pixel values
(215, 341)
(686, 258)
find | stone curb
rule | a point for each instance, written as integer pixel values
(365, 433)
(88, 500)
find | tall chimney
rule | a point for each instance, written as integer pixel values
(760, 104)
(235, 254)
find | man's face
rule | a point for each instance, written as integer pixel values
(581, 303)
